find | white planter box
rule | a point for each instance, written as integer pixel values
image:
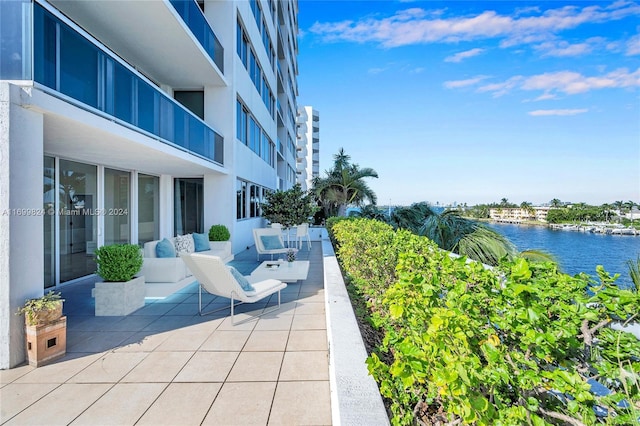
(119, 298)
(220, 246)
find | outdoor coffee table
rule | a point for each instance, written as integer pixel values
(283, 271)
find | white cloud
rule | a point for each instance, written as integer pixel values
(572, 83)
(633, 46)
(457, 84)
(376, 70)
(550, 84)
(418, 26)
(561, 48)
(547, 112)
(460, 56)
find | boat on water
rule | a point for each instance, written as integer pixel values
(597, 229)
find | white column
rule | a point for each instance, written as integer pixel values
(21, 224)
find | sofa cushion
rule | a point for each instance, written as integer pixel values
(242, 280)
(271, 242)
(165, 249)
(163, 270)
(201, 242)
(184, 244)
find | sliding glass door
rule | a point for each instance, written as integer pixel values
(188, 206)
(78, 192)
(117, 194)
(148, 208)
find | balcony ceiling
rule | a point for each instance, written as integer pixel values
(123, 149)
(147, 34)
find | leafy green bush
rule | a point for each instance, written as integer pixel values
(219, 233)
(118, 262)
(289, 208)
(469, 344)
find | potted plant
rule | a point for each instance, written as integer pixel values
(121, 292)
(291, 256)
(219, 237)
(219, 233)
(42, 310)
(45, 328)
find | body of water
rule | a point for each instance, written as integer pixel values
(577, 251)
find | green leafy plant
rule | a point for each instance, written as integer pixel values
(467, 344)
(219, 233)
(289, 208)
(42, 309)
(118, 262)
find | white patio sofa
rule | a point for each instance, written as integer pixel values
(166, 275)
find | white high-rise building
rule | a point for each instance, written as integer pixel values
(131, 121)
(308, 159)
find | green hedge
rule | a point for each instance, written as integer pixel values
(514, 345)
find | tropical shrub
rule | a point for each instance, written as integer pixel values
(289, 208)
(118, 262)
(518, 344)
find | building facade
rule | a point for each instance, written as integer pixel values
(308, 158)
(126, 122)
(517, 214)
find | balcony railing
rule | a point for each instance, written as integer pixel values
(71, 64)
(190, 12)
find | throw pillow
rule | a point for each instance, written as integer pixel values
(201, 242)
(271, 242)
(246, 285)
(165, 249)
(184, 244)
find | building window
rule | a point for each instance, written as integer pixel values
(193, 100)
(148, 208)
(249, 197)
(241, 200)
(188, 206)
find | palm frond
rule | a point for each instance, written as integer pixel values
(538, 256)
(634, 272)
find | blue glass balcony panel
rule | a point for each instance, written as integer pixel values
(69, 63)
(191, 14)
(15, 31)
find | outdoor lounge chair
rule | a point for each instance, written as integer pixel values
(269, 241)
(217, 278)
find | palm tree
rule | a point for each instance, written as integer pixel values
(371, 211)
(344, 185)
(556, 203)
(468, 238)
(606, 210)
(411, 218)
(528, 207)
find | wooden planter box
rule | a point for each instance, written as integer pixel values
(46, 342)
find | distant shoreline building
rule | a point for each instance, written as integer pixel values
(517, 214)
(308, 146)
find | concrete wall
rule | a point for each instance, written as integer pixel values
(21, 221)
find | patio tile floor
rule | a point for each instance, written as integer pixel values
(164, 364)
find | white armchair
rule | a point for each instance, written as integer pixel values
(269, 241)
(302, 233)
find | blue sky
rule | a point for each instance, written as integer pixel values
(472, 102)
